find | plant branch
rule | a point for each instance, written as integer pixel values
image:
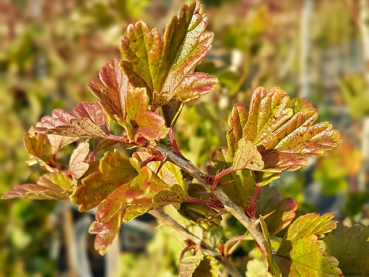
(229, 205)
(207, 249)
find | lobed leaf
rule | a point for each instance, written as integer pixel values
(247, 156)
(165, 66)
(197, 266)
(309, 259)
(50, 186)
(40, 150)
(350, 246)
(309, 224)
(282, 129)
(90, 122)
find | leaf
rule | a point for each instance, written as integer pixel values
(115, 171)
(247, 156)
(350, 246)
(165, 65)
(200, 214)
(309, 259)
(50, 186)
(112, 90)
(282, 210)
(77, 164)
(242, 185)
(89, 122)
(149, 124)
(40, 150)
(257, 268)
(59, 142)
(197, 266)
(309, 224)
(175, 196)
(282, 129)
(272, 266)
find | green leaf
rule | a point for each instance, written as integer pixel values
(257, 268)
(165, 66)
(282, 129)
(50, 186)
(309, 224)
(351, 248)
(272, 266)
(77, 164)
(309, 258)
(200, 214)
(90, 122)
(247, 156)
(242, 187)
(197, 266)
(283, 210)
(176, 195)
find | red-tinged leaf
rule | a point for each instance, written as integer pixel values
(165, 66)
(112, 90)
(65, 124)
(148, 124)
(241, 184)
(247, 156)
(77, 164)
(40, 150)
(272, 266)
(115, 171)
(283, 131)
(350, 246)
(108, 220)
(236, 121)
(309, 224)
(94, 112)
(280, 211)
(309, 258)
(50, 186)
(197, 266)
(59, 142)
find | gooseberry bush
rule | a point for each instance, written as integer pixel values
(144, 94)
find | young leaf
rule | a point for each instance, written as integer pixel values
(165, 66)
(90, 122)
(40, 150)
(351, 248)
(309, 259)
(197, 266)
(309, 224)
(59, 142)
(282, 129)
(50, 186)
(77, 164)
(247, 156)
(176, 195)
(257, 268)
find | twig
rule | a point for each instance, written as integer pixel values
(207, 249)
(229, 205)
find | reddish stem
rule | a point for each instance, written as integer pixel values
(253, 201)
(199, 201)
(174, 144)
(221, 174)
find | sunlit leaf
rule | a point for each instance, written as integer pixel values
(165, 65)
(40, 150)
(350, 246)
(90, 122)
(309, 224)
(197, 266)
(309, 258)
(50, 186)
(247, 156)
(77, 164)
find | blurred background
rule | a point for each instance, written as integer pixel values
(50, 50)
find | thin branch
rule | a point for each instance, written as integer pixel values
(185, 234)
(229, 205)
